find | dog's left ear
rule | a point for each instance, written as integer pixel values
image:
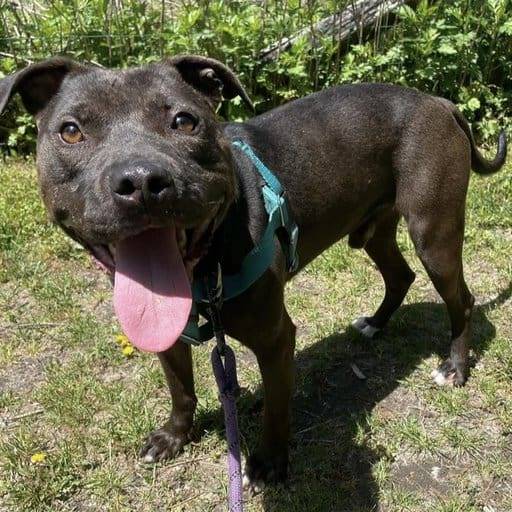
(211, 77)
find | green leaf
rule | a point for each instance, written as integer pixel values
(446, 49)
(473, 104)
(506, 28)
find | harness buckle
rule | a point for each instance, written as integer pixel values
(292, 231)
(293, 257)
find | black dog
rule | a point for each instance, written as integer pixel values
(135, 165)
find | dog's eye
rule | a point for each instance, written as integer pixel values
(71, 134)
(184, 122)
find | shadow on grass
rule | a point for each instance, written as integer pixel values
(331, 465)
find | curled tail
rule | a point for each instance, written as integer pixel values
(478, 162)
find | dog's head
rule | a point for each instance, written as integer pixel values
(132, 161)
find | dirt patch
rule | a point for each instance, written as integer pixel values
(429, 477)
(25, 374)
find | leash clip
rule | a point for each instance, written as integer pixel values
(213, 283)
(214, 289)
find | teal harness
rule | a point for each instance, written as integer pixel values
(257, 261)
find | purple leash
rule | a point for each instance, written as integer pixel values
(225, 375)
(227, 382)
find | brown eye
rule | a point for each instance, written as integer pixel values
(184, 122)
(71, 134)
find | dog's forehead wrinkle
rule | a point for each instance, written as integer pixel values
(87, 93)
(139, 93)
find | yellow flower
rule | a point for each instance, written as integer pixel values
(122, 340)
(38, 457)
(126, 347)
(128, 350)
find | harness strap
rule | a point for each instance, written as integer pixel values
(259, 259)
(278, 209)
(195, 334)
(265, 172)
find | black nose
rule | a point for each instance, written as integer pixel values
(140, 184)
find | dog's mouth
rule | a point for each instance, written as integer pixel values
(193, 244)
(153, 272)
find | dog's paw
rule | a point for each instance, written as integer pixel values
(162, 444)
(261, 470)
(450, 374)
(254, 487)
(363, 326)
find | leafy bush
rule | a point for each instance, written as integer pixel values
(460, 49)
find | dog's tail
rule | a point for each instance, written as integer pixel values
(478, 162)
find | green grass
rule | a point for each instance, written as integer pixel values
(393, 442)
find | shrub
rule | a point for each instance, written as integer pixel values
(460, 49)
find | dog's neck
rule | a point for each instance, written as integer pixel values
(244, 223)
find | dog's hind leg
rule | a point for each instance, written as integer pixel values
(398, 277)
(440, 249)
(433, 164)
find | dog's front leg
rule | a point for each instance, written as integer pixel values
(167, 441)
(275, 358)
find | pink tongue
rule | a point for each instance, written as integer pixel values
(152, 295)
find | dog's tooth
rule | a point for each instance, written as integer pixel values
(182, 240)
(198, 232)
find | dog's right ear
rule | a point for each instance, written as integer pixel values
(37, 83)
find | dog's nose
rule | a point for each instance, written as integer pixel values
(137, 185)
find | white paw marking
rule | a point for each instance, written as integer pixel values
(440, 379)
(148, 458)
(254, 487)
(367, 330)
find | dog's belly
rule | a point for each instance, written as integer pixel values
(359, 225)
(352, 197)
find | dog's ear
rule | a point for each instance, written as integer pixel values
(211, 77)
(37, 83)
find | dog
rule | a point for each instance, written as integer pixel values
(135, 165)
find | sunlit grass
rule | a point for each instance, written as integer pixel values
(68, 391)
